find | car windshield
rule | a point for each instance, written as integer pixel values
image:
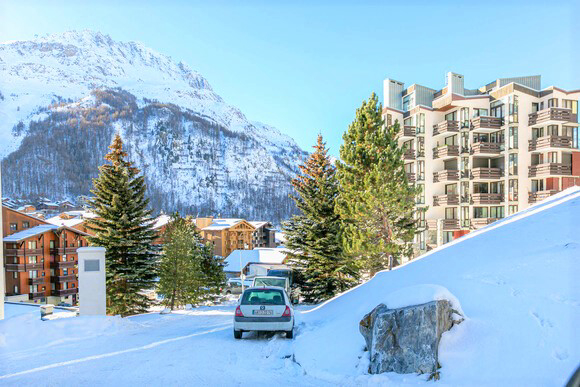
(270, 282)
(279, 273)
(263, 297)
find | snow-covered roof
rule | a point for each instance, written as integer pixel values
(259, 255)
(222, 224)
(58, 221)
(258, 224)
(30, 232)
(161, 221)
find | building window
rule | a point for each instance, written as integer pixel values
(513, 189)
(447, 236)
(51, 244)
(513, 109)
(553, 102)
(421, 123)
(497, 109)
(479, 212)
(451, 213)
(13, 226)
(451, 116)
(497, 212)
(421, 197)
(535, 107)
(513, 137)
(31, 245)
(420, 170)
(552, 157)
(15, 289)
(512, 209)
(407, 102)
(537, 185)
(422, 245)
(479, 112)
(513, 164)
(570, 104)
(464, 117)
(464, 216)
(25, 224)
(15, 275)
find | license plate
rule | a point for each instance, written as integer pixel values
(262, 312)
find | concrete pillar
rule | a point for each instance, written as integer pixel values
(92, 281)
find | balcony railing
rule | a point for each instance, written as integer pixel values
(450, 200)
(407, 131)
(64, 292)
(36, 281)
(63, 264)
(548, 169)
(34, 266)
(445, 175)
(486, 148)
(486, 173)
(15, 267)
(36, 295)
(450, 224)
(431, 224)
(486, 198)
(550, 142)
(481, 222)
(486, 122)
(63, 250)
(445, 151)
(411, 177)
(63, 278)
(409, 154)
(534, 197)
(447, 126)
(22, 252)
(552, 114)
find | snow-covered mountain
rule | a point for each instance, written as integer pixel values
(62, 97)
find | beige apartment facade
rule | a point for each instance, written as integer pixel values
(482, 154)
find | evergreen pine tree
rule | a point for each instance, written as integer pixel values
(313, 236)
(375, 200)
(123, 226)
(189, 272)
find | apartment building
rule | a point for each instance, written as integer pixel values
(481, 154)
(226, 234)
(264, 234)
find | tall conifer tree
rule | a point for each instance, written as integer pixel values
(123, 226)
(313, 236)
(375, 200)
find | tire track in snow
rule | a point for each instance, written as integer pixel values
(111, 354)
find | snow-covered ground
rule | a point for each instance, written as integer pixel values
(516, 282)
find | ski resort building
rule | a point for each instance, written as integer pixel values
(482, 154)
(226, 234)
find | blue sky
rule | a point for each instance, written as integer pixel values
(305, 67)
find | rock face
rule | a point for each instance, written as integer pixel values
(406, 340)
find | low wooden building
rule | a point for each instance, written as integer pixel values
(226, 235)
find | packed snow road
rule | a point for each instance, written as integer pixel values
(190, 347)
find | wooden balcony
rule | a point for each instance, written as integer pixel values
(486, 173)
(36, 296)
(36, 281)
(411, 177)
(486, 198)
(486, 148)
(15, 267)
(409, 154)
(481, 222)
(552, 115)
(549, 169)
(64, 292)
(63, 265)
(34, 266)
(446, 127)
(561, 142)
(22, 252)
(445, 175)
(63, 278)
(445, 151)
(450, 224)
(63, 250)
(449, 200)
(486, 123)
(407, 132)
(538, 196)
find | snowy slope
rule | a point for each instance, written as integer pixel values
(81, 87)
(517, 283)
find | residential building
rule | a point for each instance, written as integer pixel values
(76, 219)
(254, 262)
(264, 235)
(41, 263)
(226, 235)
(481, 154)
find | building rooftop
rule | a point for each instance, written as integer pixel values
(259, 255)
(30, 232)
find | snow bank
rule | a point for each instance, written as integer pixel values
(516, 280)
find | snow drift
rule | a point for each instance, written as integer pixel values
(516, 282)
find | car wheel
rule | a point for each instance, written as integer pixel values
(290, 334)
(237, 334)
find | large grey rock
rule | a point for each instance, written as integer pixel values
(406, 340)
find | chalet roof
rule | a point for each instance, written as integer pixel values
(161, 221)
(259, 255)
(258, 223)
(30, 232)
(71, 222)
(222, 224)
